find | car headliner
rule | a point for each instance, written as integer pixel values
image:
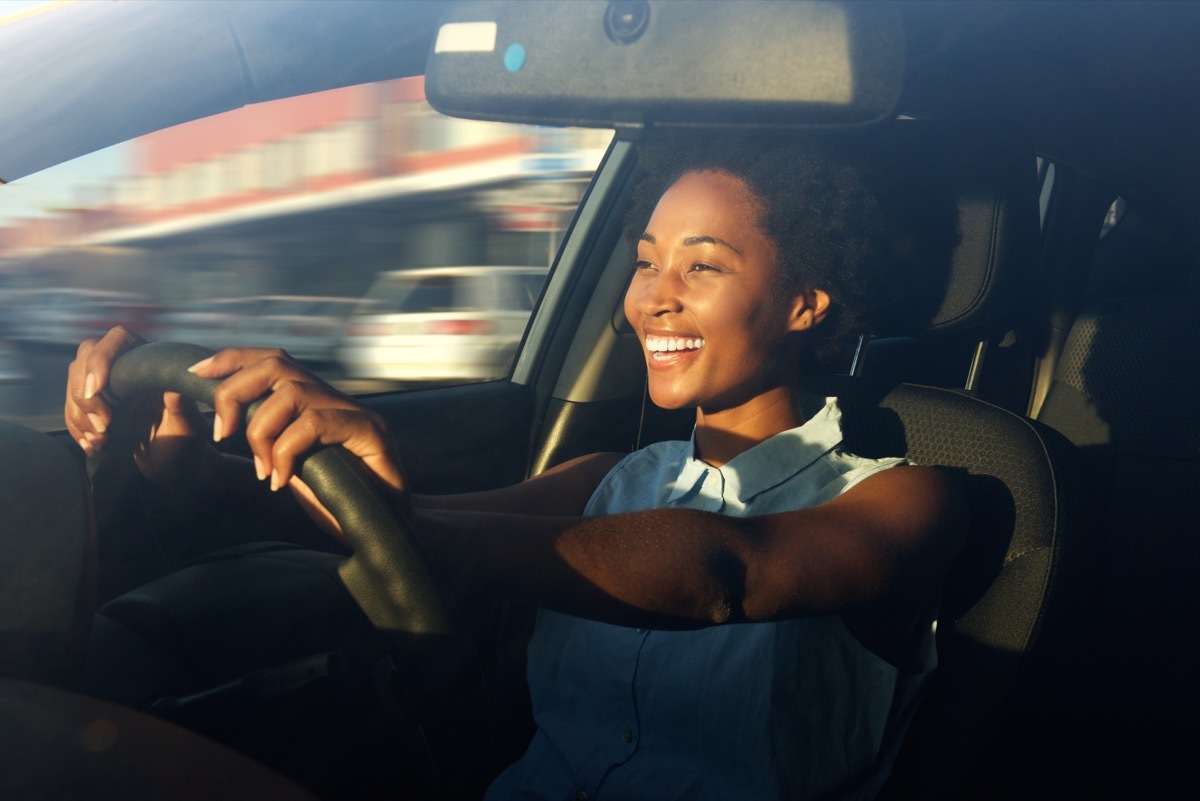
(1105, 86)
(82, 76)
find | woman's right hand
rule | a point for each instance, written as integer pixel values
(161, 432)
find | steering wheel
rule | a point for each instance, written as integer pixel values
(387, 574)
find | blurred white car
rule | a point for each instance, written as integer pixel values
(308, 327)
(441, 323)
(66, 316)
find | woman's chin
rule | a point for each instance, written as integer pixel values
(669, 398)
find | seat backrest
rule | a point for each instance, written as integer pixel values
(1013, 599)
(47, 558)
(1007, 626)
(1126, 390)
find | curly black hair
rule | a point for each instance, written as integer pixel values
(833, 206)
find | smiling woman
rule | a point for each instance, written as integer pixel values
(706, 273)
(638, 561)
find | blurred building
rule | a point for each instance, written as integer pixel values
(313, 194)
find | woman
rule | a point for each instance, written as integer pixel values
(642, 684)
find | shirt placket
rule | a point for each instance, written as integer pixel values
(622, 739)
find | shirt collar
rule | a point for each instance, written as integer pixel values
(760, 468)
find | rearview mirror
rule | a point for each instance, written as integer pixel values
(632, 63)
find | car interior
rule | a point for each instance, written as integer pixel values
(1048, 363)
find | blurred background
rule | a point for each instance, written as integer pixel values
(384, 244)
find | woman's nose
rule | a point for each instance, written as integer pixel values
(661, 294)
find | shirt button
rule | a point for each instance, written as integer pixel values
(628, 735)
(581, 796)
(642, 631)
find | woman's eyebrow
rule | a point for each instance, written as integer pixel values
(709, 240)
(694, 240)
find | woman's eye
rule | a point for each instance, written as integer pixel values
(702, 267)
(643, 264)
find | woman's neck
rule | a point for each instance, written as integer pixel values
(722, 435)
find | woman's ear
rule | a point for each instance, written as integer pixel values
(808, 309)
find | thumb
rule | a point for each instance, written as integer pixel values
(181, 415)
(315, 509)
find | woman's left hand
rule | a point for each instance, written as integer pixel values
(299, 412)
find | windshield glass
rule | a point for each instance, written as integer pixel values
(269, 225)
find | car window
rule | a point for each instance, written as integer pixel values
(280, 224)
(433, 294)
(521, 293)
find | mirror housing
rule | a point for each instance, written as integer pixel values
(636, 63)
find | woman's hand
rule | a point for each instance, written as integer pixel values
(299, 412)
(160, 431)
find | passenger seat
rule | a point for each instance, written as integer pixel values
(1126, 390)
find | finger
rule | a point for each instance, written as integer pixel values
(86, 420)
(250, 375)
(227, 362)
(89, 429)
(358, 430)
(101, 357)
(181, 416)
(277, 412)
(87, 416)
(310, 410)
(315, 509)
(302, 436)
(74, 415)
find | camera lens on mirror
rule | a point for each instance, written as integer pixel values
(626, 20)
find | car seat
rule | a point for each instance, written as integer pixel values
(1008, 627)
(1125, 391)
(47, 549)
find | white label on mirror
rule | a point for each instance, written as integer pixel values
(466, 37)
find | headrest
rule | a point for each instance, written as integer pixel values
(1142, 250)
(991, 177)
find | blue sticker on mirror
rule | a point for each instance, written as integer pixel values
(514, 57)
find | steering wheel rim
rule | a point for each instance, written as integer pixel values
(388, 574)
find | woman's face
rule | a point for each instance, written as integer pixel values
(705, 301)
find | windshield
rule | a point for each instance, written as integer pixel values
(269, 226)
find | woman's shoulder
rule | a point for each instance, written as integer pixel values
(633, 482)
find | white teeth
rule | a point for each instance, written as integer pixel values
(669, 344)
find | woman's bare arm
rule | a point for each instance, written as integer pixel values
(886, 541)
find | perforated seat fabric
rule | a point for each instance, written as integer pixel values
(1127, 378)
(1008, 628)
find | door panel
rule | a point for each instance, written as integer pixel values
(462, 438)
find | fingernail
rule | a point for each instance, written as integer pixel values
(200, 365)
(86, 446)
(89, 386)
(260, 469)
(218, 428)
(97, 422)
(275, 482)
